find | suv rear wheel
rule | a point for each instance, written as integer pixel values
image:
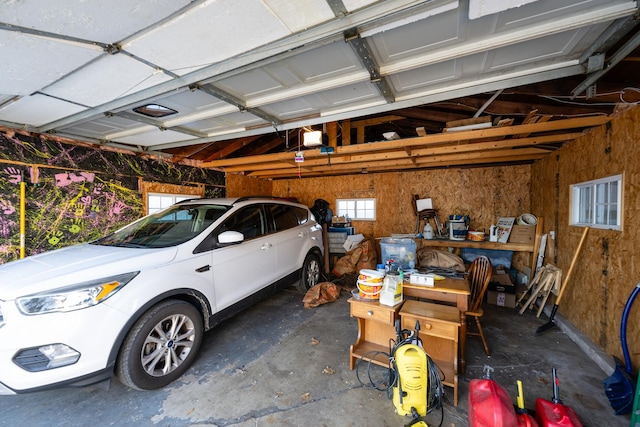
(160, 346)
(310, 272)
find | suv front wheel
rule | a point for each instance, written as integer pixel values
(160, 346)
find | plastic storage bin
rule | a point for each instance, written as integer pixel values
(336, 241)
(399, 252)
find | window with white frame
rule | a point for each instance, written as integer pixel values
(597, 203)
(360, 209)
(159, 201)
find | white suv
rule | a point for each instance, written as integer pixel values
(138, 301)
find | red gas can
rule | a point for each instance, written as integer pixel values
(554, 413)
(490, 404)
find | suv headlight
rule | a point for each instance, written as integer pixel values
(74, 297)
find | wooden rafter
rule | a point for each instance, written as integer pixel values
(496, 145)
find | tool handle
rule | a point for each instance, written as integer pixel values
(520, 398)
(573, 263)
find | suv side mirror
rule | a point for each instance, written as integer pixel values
(230, 237)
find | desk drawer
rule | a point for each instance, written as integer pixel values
(373, 311)
(430, 326)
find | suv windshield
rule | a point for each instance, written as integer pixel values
(170, 227)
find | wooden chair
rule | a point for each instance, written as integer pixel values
(479, 275)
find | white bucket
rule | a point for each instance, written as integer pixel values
(371, 276)
(368, 290)
(369, 284)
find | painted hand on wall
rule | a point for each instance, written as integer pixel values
(55, 238)
(15, 175)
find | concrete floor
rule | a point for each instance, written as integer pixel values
(279, 364)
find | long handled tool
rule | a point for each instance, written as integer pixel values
(550, 324)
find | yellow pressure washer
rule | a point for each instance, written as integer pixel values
(417, 388)
(410, 391)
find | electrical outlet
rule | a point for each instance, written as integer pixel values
(552, 234)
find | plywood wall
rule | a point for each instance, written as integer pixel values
(240, 185)
(485, 193)
(608, 267)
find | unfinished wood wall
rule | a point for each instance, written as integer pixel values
(239, 185)
(609, 266)
(485, 193)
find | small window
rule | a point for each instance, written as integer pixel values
(360, 209)
(597, 203)
(159, 201)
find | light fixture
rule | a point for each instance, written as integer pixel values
(312, 138)
(154, 110)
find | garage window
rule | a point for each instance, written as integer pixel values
(597, 203)
(159, 201)
(360, 209)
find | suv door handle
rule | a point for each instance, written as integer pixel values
(203, 268)
(301, 234)
(265, 246)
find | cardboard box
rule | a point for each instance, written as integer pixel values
(522, 234)
(352, 242)
(501, 299)
(501, 290)
(501, 281)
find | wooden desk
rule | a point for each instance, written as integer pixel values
(376, 327)
(448, 290)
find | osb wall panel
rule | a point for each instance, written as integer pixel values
(608, 266)
(240, 185)
(484, 193)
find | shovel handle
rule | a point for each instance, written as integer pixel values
(573, 263)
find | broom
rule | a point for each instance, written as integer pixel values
(550, 324)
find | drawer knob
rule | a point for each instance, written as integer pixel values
(369, 313)
(427, 326)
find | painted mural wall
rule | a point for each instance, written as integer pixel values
(608, 267)
(75, 193)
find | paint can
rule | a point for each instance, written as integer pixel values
(369, 284)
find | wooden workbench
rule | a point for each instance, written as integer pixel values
(515, 247)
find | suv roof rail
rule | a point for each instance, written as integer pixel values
(245, 198)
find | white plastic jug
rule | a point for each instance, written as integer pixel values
(391, 293)
(427, 232)
(493, 233)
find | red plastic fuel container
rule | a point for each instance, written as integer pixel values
(553, 413)
(490, 404)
